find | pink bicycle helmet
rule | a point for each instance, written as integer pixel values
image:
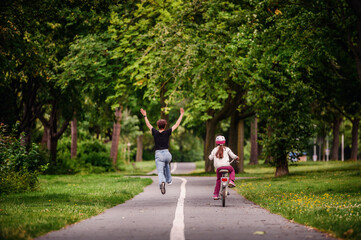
(220, 140)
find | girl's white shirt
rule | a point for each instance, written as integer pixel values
(222, 162)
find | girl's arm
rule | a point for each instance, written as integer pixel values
(179, 120)
(232, 155)
(211, 156)
(144, 113)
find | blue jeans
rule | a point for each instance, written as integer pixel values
(162, 160)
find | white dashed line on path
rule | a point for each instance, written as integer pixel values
(174, 167)
(177, 232)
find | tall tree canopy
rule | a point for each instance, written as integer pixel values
(281, 61)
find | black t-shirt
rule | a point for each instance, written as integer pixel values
(161, 139)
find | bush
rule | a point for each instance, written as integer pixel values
(186, 156)
(12, 181)
(19, 167)
(98, 159)
(95, 153)
(148, 155)
(90, 146)
(92, 157)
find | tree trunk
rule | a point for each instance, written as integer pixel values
(163, 104)
(268, 158)
(139, 156)
(29, 93)
(116, 135)
(233, 138)
(74, 138)
(54, 136)
(323, 148)
(240, 146)
(282, 166)
(45, 138)
(232, 133)
(128, 144)
(254, 145)
(27, 130)
(336, 138)
(355, 127)
(209, 143)
(51, 128)
(229, 107)
(259, 151)
(53, 144)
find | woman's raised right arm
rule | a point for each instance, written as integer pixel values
(144, 113)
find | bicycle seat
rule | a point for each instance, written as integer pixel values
(223, 171)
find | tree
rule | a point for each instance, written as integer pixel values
(278, 89)
(115, 138)
(254, 143)
(42, 31)
(336, 138)
(89, 70)
(74, 137)
(23, 68)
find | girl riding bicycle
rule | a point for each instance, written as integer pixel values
(220, 155)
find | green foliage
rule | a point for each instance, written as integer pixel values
(186, 156)
(17, 181)
(130, 127)
(95, 153)
(288, 62)
(19, 167)
(92, 157)
(279, 86)
(185, 147)
(297, 52)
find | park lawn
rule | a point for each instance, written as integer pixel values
(137, 168)
(63, 200)
(323, 195)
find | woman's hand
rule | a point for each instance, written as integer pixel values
(181, 111)
(144, 113)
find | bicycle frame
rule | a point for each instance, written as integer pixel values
(224, 185)
(223, 192)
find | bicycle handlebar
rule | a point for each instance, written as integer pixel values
(235, 159)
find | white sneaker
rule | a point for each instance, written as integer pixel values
(169, 183)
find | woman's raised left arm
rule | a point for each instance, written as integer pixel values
(179, 120)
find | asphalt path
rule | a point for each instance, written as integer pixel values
(184, 168)
(186, 211)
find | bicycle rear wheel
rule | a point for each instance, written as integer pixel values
(224, 195)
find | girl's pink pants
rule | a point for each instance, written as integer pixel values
(232, 176)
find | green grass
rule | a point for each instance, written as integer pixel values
(63, 200)
(137, 168)
(324, 195)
